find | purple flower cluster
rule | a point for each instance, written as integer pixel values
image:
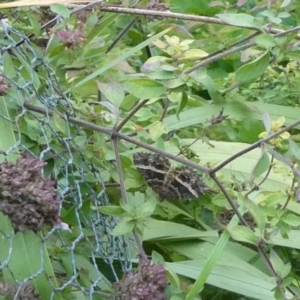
(28, 198)
(70, 37)
(3, 86)
(147, 283)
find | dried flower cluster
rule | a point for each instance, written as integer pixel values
(147, 283)
(28, 198)
(26, 292)
(3, 86)
(71, 38)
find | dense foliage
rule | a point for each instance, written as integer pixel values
(206, 85)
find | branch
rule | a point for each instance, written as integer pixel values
(112, 133)
(235, 50)
(253, 146)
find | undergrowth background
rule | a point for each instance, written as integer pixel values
(211, 85)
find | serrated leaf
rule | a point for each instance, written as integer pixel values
(124, 227)
(146, 209)
(243, 20)
(157, 129)
(253, 70)
(243, 234)
(112, 210)
(127, 207)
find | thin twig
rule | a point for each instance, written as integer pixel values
(172, 15)
(209, 60)
(230, 200)
(270, 268)
(112, 133)
(253, 146)
(121, 34)
(283, 159)
(289, 195)
(120, 170)
(132, 113)
(123, 193)
(264, 179)
(57, 18)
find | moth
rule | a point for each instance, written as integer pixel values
(169, 183)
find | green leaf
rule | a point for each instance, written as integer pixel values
(277, 263)
(294, 151)
(285, 3)
(80, 141)
(211, 87)
(61, 10)
(212, 259)
(127, 207)
(59, 123)
(192, 54)
(35, 25)
(81, 262)
(157, 129)
(164, 231)
(292, 220)
(113, 92)
(157, 258)
(174, 83)
(241, 20)
(257, 213)
(266, 41)
(120, 58)
(109, 210)
(241, 167)
(182, 104)
(146, 209)
(261, 166)
(174, 97)
(7, 134)
(236, 110)
(8, 65)
(243, 234)
(230, 275)
(27, 257)
(144, 88)
(199, 7)
(253, 70)
(124, 227)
